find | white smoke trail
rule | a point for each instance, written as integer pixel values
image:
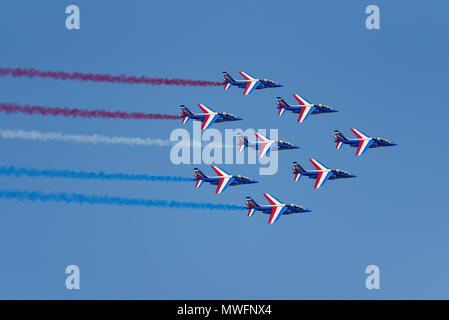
(78, 138)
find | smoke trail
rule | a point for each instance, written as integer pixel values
(60, 75)
(80, 198)
(77, 138)
(13, 171)
(9, 108)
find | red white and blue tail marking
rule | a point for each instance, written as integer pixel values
(281, 112)
(338, 146)
(198, 183)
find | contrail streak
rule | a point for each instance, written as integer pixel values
(9, 108)
(61, 75)
(81, 199)
(77, 138)
(48, 173)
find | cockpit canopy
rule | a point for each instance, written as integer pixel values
(285, 143)
(383, 140)
(342, 171)
(227, 114)
(243, 178)
(269, 81)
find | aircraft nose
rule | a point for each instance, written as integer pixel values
(254, 181)
(280, 85)
(238, 118)
(352, 176)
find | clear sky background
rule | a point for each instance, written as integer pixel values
(391, 83)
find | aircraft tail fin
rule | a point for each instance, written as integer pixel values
(199, 177)
(297, 170)
(281, 103)
(227, 77)
(297, 167)
(251, 203)
(241, 142)
(185, 111)
(199, 174)
(339, 136)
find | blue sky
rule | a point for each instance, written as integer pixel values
(390, 83)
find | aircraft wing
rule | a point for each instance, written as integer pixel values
(277, 208)
(275, 214)
(359, 134)
(251, 83)
(209, 116)
(323, 173)
(264, 148)
(304, 112)
(250, 86)
(205, 109)
(208, 120)
(265, 145)
(302, 102)
(220, 172)
(223, 183)
(363, 145)
(321, 178)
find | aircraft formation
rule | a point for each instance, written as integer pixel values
(263, 145)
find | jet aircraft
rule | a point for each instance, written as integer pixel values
(208, 117)
(222, 181)
(275, 209)
(362, 142)
(264, 145)
(321, 174)
(304, 108)
(248, 83)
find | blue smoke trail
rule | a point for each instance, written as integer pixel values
(80, 198)
(13, 171)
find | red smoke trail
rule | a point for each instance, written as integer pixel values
(9, 108)
(60, 75)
